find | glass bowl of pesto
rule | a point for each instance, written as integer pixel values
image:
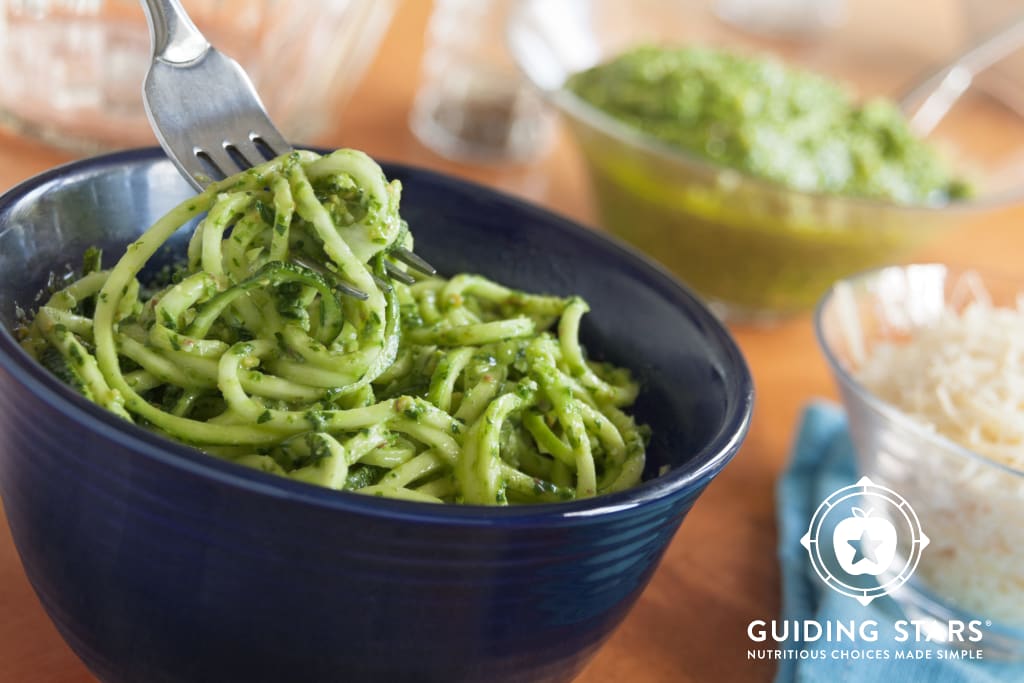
(747, 165)
(159, 562)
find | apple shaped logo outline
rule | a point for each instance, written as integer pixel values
(875, 538)
(812, 543)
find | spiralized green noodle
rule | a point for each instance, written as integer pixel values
(458, 390)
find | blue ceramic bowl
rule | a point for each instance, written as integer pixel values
(160, 564)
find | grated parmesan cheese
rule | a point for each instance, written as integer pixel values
(961, 376)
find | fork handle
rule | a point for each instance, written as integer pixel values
(175, 38)
(929, 101)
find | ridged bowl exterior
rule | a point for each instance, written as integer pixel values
(160, 564)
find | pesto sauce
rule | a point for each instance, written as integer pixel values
(770, 120)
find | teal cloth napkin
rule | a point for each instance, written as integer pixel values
(822, 462)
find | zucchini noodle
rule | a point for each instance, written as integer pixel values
(255, 350)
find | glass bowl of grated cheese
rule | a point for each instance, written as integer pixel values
(929, 360)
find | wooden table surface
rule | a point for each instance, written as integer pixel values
(720, 571)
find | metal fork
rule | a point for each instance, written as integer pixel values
(207, 115)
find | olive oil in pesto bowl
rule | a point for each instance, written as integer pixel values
(161, 563)
(758, 181)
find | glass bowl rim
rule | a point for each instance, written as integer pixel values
(889, 411)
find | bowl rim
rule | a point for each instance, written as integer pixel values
(888, 410)
(576, 107)
(701, 467)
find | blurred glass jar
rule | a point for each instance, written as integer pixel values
(473, 103)
(73, 69)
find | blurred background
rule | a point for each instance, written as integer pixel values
(73, 69)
